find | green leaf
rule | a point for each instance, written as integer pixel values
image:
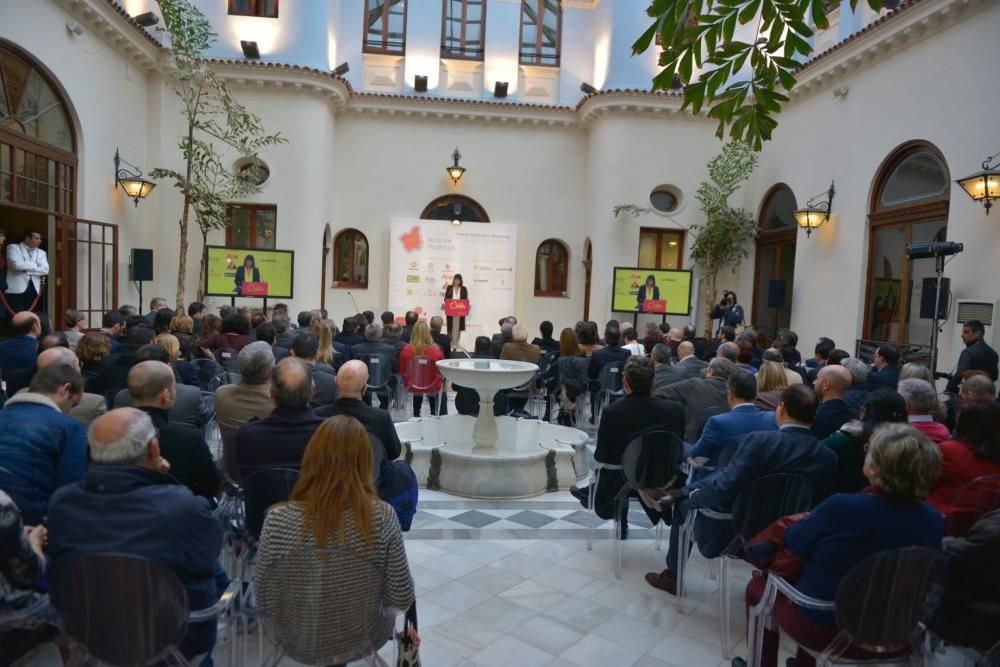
(749, 12)
(819, 14)
(645, 40)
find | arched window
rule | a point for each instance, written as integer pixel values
(551, 268)
(350, 259)
(774, 270)
(30, 104)
(909, 204)
(455, 207)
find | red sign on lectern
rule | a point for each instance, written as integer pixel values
(254, 289)
(654, 306)
(456, 307)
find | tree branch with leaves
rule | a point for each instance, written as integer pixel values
(215, 120)
(699, 34)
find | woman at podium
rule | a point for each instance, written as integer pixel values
(249, 268)
(648, 292)
(456, 325)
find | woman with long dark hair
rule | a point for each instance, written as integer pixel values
(648, 291)
(456, 325)
(249, 267)
(973, 451)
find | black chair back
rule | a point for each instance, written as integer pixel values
(882, 601)
(379, 371)
(208, 373)
(18, 379)
(124, 610)
(265, 488)
(226, 356)
(652, 459)
(114, 372)
(768, 499)
(611, 379)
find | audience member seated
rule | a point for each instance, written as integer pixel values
(857, 393)
(22, 565)
(848, 528)
(921, 404)
(128, 504)
(621, 422)
(505, 336)
(196, 311)
(831, 384)
(745, 358)
(613, 352)
(234, 335)
(161, 321)
(441, 339)
(156, 304)
(188, 409)
(771, 384)
(306, 347)
(409, 319)
(236, 404)
(652, 336)
(91, 406)
(725, 334)
(730, 351)
(352, 379)
(41, 446)
(113, 329)
(182, 326)
(519, 349)
(687, 359)
(914, 371)
(467, 399)
(775, 355)
(791, 359)
(587, 337)
(837, 356)
(375, 346)
(790, 340)
(427, 380)
(278, 441)
(883, 406)
(282, 331)
(885, 370)
(73, 325)
(792, 449)
(546, 342)
(184, 370)
(973, 451)
(722, 432)
(665, 373)
(335, 510)
(701, 396)
(349, 336)
(326, 353)
(21, 349)
(211, 325)
(92, 349)
(632, 343)
(691, 336)
(153, 389)
(821, 353)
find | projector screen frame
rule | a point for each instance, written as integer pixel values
(614, 273)
(250, 251)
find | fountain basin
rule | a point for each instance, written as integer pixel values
(530, 458)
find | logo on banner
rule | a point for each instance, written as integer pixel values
(412, 239)
(413, 279)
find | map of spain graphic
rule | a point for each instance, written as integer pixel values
(411, 239)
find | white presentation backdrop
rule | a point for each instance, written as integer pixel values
(424, 255)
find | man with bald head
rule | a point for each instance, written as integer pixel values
(21, 349)
(280, 440)
(688, 360)
(152, 388)
(129, 503)
(351, 381)
(832, 382)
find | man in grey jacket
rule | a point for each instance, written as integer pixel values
(701, 397)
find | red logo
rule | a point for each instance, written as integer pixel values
(412, 240)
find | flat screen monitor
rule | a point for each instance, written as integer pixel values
(249, 272)
(629, 291)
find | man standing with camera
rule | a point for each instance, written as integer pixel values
(728, 311)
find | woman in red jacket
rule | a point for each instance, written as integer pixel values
(973, 451)
(424, 378)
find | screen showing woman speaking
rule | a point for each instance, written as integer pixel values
(635, 287)
(249, 272)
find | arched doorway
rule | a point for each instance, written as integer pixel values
(38, 185)
(774, 271)
(455, 207)
(909, 204)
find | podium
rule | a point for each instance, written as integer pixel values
(258, 289)
(654, 306)
(456, 307)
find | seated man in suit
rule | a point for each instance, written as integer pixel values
(792, 449)
(324, 379)
(701, 397)
(858, 392)
(113, 326)
(188, 408)
(351, 381)
(152, 387)
(832, 382)
(278, 441)
(722, 431)
(505, 336)
(885, 370)
(620, 423)
(518, 349)
(236, 404)
(612, 352)
(20, 351)
(375, 347)
(665, 373)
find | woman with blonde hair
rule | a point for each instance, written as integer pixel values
(183, 369)
(325, 353)
(417, 376)
(329, 540)
(771, 382)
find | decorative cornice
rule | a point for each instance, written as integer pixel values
(112, 24)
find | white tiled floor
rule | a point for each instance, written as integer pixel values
(541, 599)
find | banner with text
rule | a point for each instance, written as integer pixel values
(424, 256)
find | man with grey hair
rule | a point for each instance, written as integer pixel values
(729, 350)
(153, 389)
(664, 372)
(921, 402)
(382, 360)
(236, 404)
(702, 397)
(282, 335)
(156, 304)
(279, 440)
(519, 349)
(505, 336)
(128, 504)
(858, 392)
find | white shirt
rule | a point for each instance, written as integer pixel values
(24, 264)
(635, 348)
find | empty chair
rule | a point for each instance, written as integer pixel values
(610, 386)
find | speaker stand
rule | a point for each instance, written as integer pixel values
(936, 331)
(138, 284)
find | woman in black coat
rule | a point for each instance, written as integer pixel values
(249, 265)
(456, 325)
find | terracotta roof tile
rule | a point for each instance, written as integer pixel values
(860, 33)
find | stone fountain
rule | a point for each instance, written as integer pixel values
(487, 456)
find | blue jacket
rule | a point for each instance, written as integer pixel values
(830, 416)
(885, 377)
(604, 356)
(725, 429)
(42, 449)
(132, 510)
(847, 528)
(18, 352)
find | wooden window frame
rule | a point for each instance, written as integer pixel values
(350, 284)
(557, 293)
(660, 231)
(538, 60)
(253, 208)
(254, 10)
(463, 52)
(384, 49)
(65, 184)
(902, 216)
